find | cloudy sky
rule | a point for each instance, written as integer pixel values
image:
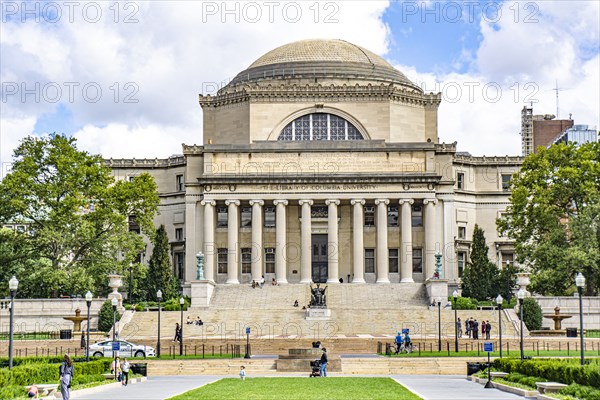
(123, 78)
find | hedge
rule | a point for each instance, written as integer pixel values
(28, 373)
(564, 371)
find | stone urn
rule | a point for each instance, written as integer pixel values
(115, 282)
(523, 281)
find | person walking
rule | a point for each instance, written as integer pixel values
(482, 329)
(177, 337)
(475, 329)
(324, 363)
(488, 329)
(468, 327)
(66, 371)
(125, 366)
(459, 327)
(398, 340)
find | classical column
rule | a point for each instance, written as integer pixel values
(257, 242)
(306, 241)
(209, 247)
(430, 234)
(406, 267)
(332, 241)
(449, 260)
(358, 251)
(382, 259)
(232, 241)
(280, 237)
(190, 237)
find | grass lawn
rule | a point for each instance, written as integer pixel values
(301, 388)
(513, 353)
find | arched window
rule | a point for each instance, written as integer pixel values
(319, 126)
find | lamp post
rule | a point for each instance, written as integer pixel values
(455, 296)
(499, 300)
(181, 301)
(159, 298)
(88, 300)
(439, 304)
(580, 283)
(114, 303)
(521, 296)
(130, 283)
(13, 285)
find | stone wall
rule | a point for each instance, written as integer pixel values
(46, 315)
(570, 306)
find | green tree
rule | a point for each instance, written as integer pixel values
(160, 270)
(554, 217)
(532, 314)
(480, 277)
(76, 213)
(105, 317)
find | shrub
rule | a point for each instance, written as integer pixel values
(464, 303)
(556, 370)
(532, 314)
(105, 317)
(581, 392)
(173, 304)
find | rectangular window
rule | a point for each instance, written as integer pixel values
(393, 260)
(246, 217)
(222, 261)
(369, 261)
(269, 260)
(180, 186)
(417, 260)
(221, 217)
(417, 215)
(393, 216)
(269, 217)
(506, 182)
(179, 263)
(369, 215)
(133, 225)
(461, 256)
(246, 260)
(460, 180)
(508, 258)
(462, 232)
(131, 178)
(179, 234)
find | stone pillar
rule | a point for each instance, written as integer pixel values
(332, 241)
(382, 252)
(449, 260)
(358, 251)
(209, 239)
(232, 241)
(280, 237)
(306, 241)
(406, 267)
(430, 234)
(257, 242)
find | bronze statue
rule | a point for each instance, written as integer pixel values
(318, 297)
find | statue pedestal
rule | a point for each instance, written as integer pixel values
(202, 292)
(437, 288)
(318, 314)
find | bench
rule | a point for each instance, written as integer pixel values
(549, 387)
(498, 374)
(109, 376)
(45, 389)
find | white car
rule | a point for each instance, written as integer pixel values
(128, 349)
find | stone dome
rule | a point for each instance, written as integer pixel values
(321, 58)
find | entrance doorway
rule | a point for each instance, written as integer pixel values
(319, 258)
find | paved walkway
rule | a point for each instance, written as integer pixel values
(155, 388)
(429, 387)
(444, 387)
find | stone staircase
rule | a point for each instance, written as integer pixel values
(357, 311)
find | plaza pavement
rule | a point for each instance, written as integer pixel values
(429, 387)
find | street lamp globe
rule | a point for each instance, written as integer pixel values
(181, 301)
(455, 294)
(521, 294)
(114, 302)
(159, 294)
(580, 280)
(13, 284)
(499, 300)
(89, 296)
(438, 300)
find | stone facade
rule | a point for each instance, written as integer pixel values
(313, 169)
